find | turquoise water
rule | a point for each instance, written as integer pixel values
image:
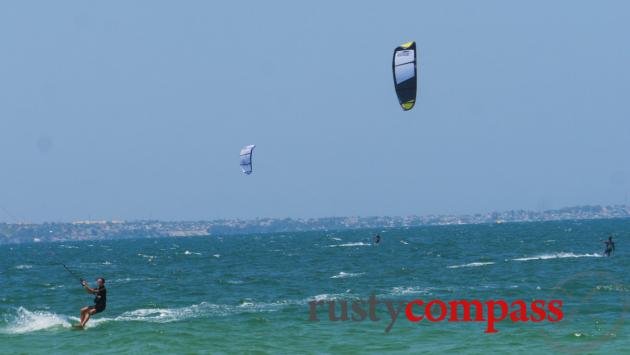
(251, 293)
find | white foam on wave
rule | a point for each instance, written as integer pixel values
(560, 255)
(357, 244)
(24, 267)
(407, 290)
(343, 275)
(249, 306)
(203, 309)
(612, 288)
(404, 242)
(326, 297)
(217, 255)
(475, 264)
(25, 321)
(149, 257)
(335, 238)
(191, 253)
(163, 315)
(130, 279)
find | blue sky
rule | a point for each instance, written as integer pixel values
(136, 110)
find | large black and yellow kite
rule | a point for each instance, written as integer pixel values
(405, 74)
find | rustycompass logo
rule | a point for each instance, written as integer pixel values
(490, 312)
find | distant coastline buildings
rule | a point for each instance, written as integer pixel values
(11, 233)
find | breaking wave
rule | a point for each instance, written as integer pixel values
(343, 275)
(327, 297)
(149, 257)
(357, 244)
(471, 265)
(560, 255)
(406, 290)
(25, 321)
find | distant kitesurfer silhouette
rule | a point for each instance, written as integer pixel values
(610, 246)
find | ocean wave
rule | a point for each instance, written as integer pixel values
(217, 255)
(343, 275)
(249, 306)
(560, 255)
(612, 288)
(357, 244)
(475, 264)
(130, 279)
(326, 297)
(408, 290)
(203, 309)
(417, 290)
(24, 267)
(191, 253)
(164, 315)
(149, 257)
(404, 242)
(25, 321)
(230, 281)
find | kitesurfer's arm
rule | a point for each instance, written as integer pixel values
(87, 287)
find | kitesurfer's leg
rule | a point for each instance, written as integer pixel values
(89, 312)
(84, 311)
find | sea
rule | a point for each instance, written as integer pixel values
(251, 293)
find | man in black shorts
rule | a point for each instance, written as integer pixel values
(100, 301)
(610, 246)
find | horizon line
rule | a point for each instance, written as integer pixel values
(123, 221)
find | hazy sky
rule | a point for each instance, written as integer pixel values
(138, 109)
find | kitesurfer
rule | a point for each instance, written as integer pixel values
(100, 300)
(377, 239)
(610, 246)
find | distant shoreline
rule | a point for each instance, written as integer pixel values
(15, 233)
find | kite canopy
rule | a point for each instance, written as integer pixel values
(405, 74)
(246, 159)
